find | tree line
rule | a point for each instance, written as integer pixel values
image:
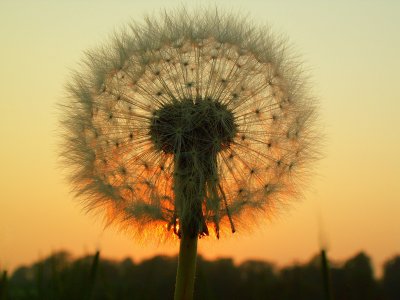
(59, 276)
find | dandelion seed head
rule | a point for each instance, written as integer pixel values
(189, 123)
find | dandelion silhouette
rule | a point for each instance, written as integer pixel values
(187, 125)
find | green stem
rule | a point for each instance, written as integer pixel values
(184, 287)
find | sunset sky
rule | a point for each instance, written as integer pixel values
(352, 203)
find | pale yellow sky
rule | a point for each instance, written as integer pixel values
(351, 50)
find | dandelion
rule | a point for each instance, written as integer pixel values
(188, 125)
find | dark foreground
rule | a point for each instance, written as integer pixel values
(61, 277)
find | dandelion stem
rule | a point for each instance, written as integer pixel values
(184, 286)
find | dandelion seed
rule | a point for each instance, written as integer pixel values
(211, 117)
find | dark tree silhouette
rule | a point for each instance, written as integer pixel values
(391, 279)
(355, 280)
(61, 277)
(260, 279)
(302, 281)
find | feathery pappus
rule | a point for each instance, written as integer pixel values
(190, 123)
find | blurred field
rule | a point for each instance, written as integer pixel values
(60, 276)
